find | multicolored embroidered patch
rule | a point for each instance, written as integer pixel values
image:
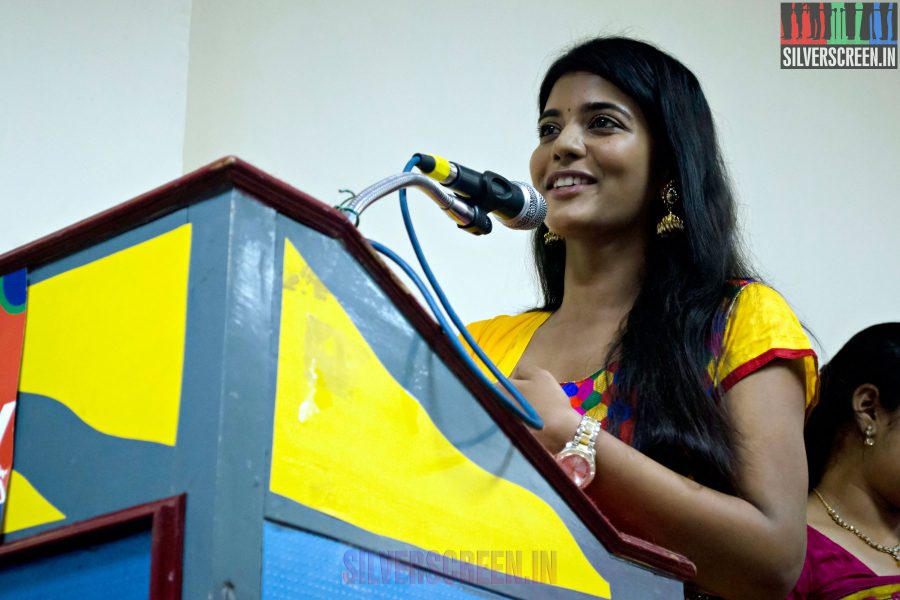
(596, 397)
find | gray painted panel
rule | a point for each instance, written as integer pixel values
(70, 463)
(201, 392)
(247, 403)
(230, 363)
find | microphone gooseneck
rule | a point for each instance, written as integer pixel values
(467, 217)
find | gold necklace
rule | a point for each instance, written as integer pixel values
(894, 551)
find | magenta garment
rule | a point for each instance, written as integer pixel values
(832, 573)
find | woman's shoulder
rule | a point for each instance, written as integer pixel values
(762, 327)
(756, 296)
(503, 338)
(762, 319)
(503, 326)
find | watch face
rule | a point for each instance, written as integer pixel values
(577, 467)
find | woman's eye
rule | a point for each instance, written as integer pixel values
(602, 122)
(546, 129)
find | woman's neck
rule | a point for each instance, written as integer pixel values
(602, 278)
(846, 490)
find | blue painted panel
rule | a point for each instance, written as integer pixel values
(299, 564)
(115, 569)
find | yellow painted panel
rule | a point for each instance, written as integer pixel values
(26, 507)
(107, 339)
(349, 441)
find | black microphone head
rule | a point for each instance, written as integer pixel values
(533, 212)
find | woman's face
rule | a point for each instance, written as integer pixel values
(593, 159)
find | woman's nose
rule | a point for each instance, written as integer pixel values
(569, 143)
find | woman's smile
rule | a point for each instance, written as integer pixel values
(568, 183)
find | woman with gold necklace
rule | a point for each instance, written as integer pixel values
(853, 447)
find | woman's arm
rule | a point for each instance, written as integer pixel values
(743, 548)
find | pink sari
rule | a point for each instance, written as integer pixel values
(832, 573)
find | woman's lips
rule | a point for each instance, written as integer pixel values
(568, 191)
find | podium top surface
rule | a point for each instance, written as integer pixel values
(232, 173)
(220, 175)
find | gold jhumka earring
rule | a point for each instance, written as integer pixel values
(671, 223)
(552, 238)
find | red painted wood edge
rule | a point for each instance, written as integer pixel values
(166, 519)
(233, 172)
(167, 550)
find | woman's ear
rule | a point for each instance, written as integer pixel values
(865, 404)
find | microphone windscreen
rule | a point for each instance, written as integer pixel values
(533, 211)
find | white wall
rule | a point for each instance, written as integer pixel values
(338, 94)
(92, 107)
(333, 94)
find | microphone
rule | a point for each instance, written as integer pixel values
(517, 205)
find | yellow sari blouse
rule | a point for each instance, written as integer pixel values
(759, 328)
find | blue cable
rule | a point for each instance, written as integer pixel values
(442, 321)
(524, 410)
(460, 350)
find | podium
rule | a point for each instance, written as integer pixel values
(224, 393)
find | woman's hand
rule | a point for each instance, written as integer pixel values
(541, 389)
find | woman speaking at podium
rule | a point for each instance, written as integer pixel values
(672, 385)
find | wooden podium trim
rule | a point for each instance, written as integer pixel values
(165, 518)
(231, 172)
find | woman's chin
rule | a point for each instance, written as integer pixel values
(597, 232)
(565, 223)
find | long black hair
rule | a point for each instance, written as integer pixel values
(871, 356)
(662, 350)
